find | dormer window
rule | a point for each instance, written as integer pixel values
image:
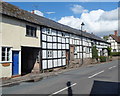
(31, 31)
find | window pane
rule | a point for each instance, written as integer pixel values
(3, 53)
(3, 49)
(3, 58)
(8, 50)
(31, 31)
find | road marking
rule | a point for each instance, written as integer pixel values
(112, 67)
(62, 89)
(96, 74)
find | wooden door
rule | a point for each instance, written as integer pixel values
(72, 48)
(67, 57)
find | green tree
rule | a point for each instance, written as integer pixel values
(105, 37)
(109, 51)
(94, 53)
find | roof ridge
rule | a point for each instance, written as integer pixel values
(33, 18)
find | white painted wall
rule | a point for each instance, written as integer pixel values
(114, 44)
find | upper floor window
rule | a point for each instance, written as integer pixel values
(48, 30)
(63, 34)
(63, 53)
(49, 53)
(31, 31)
(5, 54)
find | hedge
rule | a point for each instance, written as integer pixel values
(115, 53)
(102, 58)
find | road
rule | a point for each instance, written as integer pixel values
(95, 79)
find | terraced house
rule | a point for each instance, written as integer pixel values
(31, 43)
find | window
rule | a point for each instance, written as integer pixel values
(48, 31)
(87, 50)
(63, 34)
(75, 50)
(63, 53)
(5, 54)
(114, 50)
(31, 31)
(49, 54)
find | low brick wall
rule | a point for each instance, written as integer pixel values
(78, 62)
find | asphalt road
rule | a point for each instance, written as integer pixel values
(90, 80)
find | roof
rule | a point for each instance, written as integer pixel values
(13, 11)
(116, 38)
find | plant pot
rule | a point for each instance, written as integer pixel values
(6, 64)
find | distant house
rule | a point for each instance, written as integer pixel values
(115, 41)
(30, 42)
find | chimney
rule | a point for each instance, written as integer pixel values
(32, 12)
(116, 33)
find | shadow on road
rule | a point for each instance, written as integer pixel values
(104, 88)
(69, 88)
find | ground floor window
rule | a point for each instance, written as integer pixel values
(5, 54)
(114, 50)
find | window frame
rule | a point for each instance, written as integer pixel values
(31, 31)
(49, 54)
(7, 54)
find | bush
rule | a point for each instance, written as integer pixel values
(102, 58)
(115, 53)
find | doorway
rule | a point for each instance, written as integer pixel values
(29, 56)
(15, 63)
(72, 49)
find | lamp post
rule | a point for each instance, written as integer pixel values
(82, 40)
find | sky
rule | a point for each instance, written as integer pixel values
(100, 18)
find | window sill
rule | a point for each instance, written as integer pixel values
(30, 36)
(5, 62)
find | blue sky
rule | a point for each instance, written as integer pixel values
(100, 18)
(62, 9)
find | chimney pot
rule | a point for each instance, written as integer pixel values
(32, 12)
(116, 33)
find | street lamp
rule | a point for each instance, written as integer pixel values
(82, 40)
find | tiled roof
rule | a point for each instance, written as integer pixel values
(13, 11)
(116, 38)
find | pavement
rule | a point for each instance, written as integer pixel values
(88, 80)
(32, 77)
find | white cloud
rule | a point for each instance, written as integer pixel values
(77, 9)
(98, 21)
(50, 12)
(37, 12)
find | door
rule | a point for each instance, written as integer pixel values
(15, 64)
(67, 57)
(72, 48)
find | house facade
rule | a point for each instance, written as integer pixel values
(114, 40)
(31, 43)
(19, 45)
(59, 48)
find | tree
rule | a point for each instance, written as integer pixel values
(94, 53)
(109, 51)
(105, 37)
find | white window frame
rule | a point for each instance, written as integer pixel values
(63, 53)
(49, 53)
(6, 56)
